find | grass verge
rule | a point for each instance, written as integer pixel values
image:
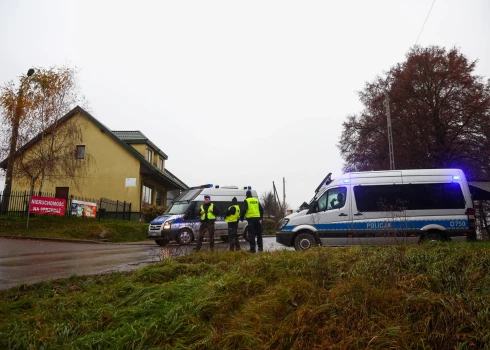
(74, 228)
(433, 296)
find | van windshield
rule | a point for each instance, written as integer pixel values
(178, 208)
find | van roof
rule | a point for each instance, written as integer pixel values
(192, 193)
(407, 172)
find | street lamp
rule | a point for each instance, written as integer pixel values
(13, 142)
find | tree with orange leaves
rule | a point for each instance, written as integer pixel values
(44, 144)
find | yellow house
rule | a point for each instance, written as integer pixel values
(120, 165)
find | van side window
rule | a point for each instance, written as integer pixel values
(381, 198)
(434, 196)
(336, 198)
(322, 203)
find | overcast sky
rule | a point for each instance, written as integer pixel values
(235, 93)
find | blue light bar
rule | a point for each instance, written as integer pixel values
(249, 187)
(207, 186)
(346, 181)
(456, 177)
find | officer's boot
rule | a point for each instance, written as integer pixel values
(199, 244)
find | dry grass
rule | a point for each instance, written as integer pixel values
(434, 296)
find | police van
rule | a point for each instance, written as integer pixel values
(383, 207)
(181, 221)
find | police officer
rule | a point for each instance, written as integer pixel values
(253, 212)
(340, 201)
(208, 214)
(232, 215)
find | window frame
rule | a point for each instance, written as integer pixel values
(144, 194)
(149, 155)
(77, 153)
(332, 192)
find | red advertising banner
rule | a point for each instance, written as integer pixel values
(47, 205)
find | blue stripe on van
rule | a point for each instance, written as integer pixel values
(383, 225)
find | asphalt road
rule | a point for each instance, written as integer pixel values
(30, 261)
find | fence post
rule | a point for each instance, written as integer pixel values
(117, 207)
(129, 211)
(24, 212)
(124, 209)
(100, 207)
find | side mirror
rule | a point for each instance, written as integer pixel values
(187, 215)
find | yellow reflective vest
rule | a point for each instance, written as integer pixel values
(211, 216)
(253, 210)
(233, 218)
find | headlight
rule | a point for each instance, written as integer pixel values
(282, 223)
(167, 225)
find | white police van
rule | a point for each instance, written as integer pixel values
(383, 207)
(181, 220)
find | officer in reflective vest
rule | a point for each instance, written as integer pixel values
(208, 214)
(253, 212)
(232, 215)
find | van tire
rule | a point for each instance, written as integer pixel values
(431, 236)
(185, 237)
(161, 242)
(304, 241)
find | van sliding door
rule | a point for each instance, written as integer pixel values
(378, 209)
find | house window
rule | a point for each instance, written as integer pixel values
(160, 164)
(80, 151)
(149, 155)
(147, 195)
(159, 198)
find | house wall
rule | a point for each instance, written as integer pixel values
(141, 148)
(109, 164)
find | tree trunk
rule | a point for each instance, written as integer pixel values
(42, 182)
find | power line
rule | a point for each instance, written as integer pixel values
(425, 22)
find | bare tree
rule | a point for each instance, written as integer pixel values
(47, 139)
(273, 208)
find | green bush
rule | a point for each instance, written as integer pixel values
(152, 211)
(268, 225)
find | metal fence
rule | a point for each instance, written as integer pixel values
(16, 204)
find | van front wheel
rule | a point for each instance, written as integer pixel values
(304, 241)
(184, 237)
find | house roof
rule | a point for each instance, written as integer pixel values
(137, 137)
(130, 136)
(164, 176)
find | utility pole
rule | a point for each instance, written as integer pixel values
(284, 195)
(276, 196)
(13, 143)
(390, 134)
